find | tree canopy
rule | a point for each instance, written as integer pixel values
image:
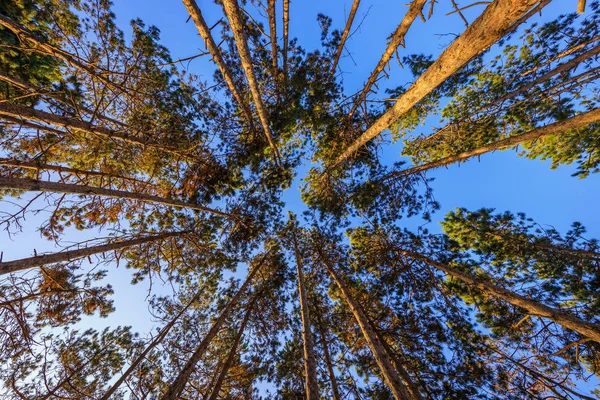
(124, 159)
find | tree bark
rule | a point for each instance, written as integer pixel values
(84, 190)
(390, 376)
(565, 319)
(396, 40)
(232, 11)
(155, 342)
(63, 256)
(204, 31)
(273, 35)
(34, 165)
(232, 353)
(551, 129)
(345, 34)
(498, 18)
(30, 114)
(178, 385)
(581, 6)
(334, 386)
(286, 30)
(310, 363)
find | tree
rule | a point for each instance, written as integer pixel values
(120, 155)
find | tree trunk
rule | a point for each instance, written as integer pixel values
(26, 113)
(390, 376)
(558, 70)
(212, 47)
(320, 327)
(155, 342)
(63, 256)
(498, 18)
(36, 166)
(551, 129)
(396, 40)
(178, 385)
(310, 363)
(286, 30)
(232, 353)
(581, 6)
(345, 34)
(84, 190)
(412, 388)
(273, 35)
(232, 11)
(565, 319)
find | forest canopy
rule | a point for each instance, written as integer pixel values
(141, 174)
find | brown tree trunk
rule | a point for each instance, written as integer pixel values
(232, 353)
(310, 361)
(390, 376)
(155, 342)
(178, 385)
(551, 129)
(498, 18)
(581, 6)
(63, 256)
(232, 11)
(212, 47)
(36, 166)
(320, 327)
(33, 90)
(30, 114)
(412, 388)
(558, 70)
(286, 30)
(565, 319)
(84, 190)
(396, 40)
(345, 34)
(273, 35)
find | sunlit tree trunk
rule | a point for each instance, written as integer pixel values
(396, 40)
(232, 353)
(578, 121)
(345, 34)
(178, 385)
(390, 376)
(286, 32)
(34, 185)
(498, 18)
(232, 11)
(565, 319)
(212, 47)
(64, 256)
(273, 35)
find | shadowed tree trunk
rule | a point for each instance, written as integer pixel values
(36, 166)
(273, 35)
(155, 342)
(212, 47)
(345, 34)
(578, 121)
(565, 319)
(63, 256)
(390, 376)
(321, 328)
(19, 112)
(232, 353)
(84, 190)
(232, 11)
(498, 18)
(310, 361)
(396, 40)
(178, 385)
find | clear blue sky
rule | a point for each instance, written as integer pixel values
(500, 180)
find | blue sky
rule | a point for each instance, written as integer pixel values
(500, 180)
